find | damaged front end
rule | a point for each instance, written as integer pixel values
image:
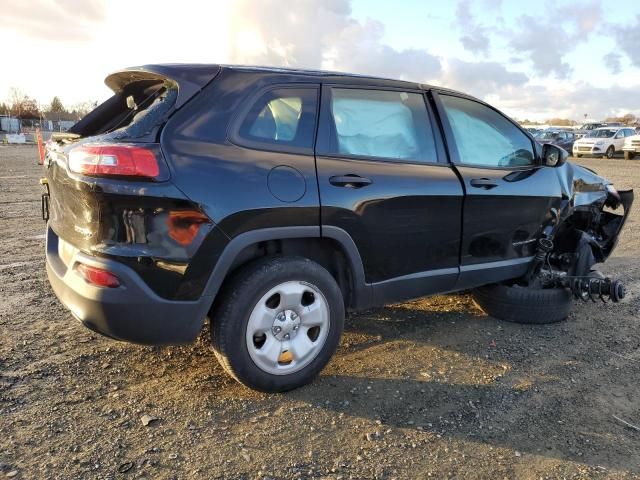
(583, 231)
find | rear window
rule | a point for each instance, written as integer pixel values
(130, 113)
(281, 118)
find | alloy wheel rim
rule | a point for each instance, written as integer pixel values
(287, 328)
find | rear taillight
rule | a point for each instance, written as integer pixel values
(98, 276)
(116, 160)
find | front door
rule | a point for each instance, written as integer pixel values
(383, 178)
(509, 196)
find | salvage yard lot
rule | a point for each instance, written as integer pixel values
(426, 388)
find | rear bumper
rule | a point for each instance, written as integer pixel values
(131, 312)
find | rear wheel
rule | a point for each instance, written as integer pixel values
(523, 304)
(278, 323)
(629, 155)
(578, 155)
(610, 152)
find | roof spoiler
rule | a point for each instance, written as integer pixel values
(189, 79)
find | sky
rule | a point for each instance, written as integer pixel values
(534, 60)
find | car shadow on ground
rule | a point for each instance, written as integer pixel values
(471, 378)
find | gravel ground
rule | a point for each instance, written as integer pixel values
(431, 388)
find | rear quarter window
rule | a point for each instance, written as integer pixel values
(280, 119)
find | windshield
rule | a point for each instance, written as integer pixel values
(589, 126)
(547, 135)
(601, 133)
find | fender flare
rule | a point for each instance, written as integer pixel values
(361, 290)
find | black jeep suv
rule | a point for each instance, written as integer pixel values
(273, 200)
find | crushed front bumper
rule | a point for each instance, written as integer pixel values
(130, 312)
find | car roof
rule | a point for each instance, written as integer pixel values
(186, 70)
(325, 74)
(346, 77)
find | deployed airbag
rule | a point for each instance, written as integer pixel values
(374, 128)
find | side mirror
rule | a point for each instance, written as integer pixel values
(553, 156)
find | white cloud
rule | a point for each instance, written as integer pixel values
(480, 78)
(525, 69)
(57, 20)
(612, 61)
(628, 38)
(321, 34)
(474, 37)
(552, 34)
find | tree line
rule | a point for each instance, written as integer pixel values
(25, 107)
(628, 119)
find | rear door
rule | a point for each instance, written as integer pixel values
(384, 180)
(509, 196)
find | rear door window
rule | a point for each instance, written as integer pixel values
(382, 124)
(281, 118)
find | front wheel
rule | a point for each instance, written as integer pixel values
(629, 155)
(523, 304)
(278, 323)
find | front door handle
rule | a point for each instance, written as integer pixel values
(350, 181)
(485, 183)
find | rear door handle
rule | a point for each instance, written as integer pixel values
(485, 183)
(350, 181)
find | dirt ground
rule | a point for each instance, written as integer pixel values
(431, 388)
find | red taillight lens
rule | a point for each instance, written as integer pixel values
(121, 160)
(184, 225)
(98, 276)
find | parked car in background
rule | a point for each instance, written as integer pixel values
(604, 141)
(561, 138)
(535, 131)
(586, 128)
(631, 146)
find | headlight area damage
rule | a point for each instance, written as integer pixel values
(581, 233)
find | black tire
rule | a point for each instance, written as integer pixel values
(242, 293)
(610, 153)
(629, 155)
(524, 305)
(578, 155)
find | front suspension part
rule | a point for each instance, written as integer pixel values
(590, 288)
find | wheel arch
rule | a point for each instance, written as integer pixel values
(331, 247)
